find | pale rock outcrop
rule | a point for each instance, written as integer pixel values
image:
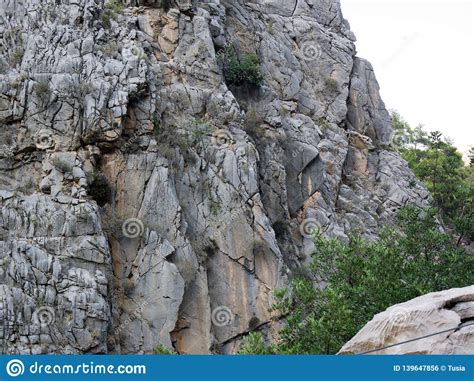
(221, 185)
(425, 315)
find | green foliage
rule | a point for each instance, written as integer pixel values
(405, 136)
(99, 188)
(169, 138)
(16, 56)
(115, 6)
(43, 91)
(199, 128)
(61, 164)
(111, 11)
(156, 126)
(323, 124)
(162, 350)
(243, 70)
(253, 123)
(437, 163)
(331, 84)
(254, 345)
(471, 157)
(359, 279)
(109, 48)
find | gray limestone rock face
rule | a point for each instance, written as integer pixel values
(145, 202)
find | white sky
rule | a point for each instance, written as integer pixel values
(422, 53)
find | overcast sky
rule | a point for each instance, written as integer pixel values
(422, 53)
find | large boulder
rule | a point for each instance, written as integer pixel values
(449, 312)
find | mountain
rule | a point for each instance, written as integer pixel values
(164, 164)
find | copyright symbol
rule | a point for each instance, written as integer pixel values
(443, 368)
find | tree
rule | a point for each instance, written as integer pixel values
(353, 281)
(437, 163)
(404, 136)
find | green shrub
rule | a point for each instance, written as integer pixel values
(62, 165)
(16, 56)
(254, 345)
(109, 48)
(168, 139)
(442, 169)
(99, 189)
(323, 125)
(162, 350)
(111, 11)
(254, 123)
(241, 71)
(115, 6)
(156, 126)
(43, 91)
(364, 278)
(331, 84)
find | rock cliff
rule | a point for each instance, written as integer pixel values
(144, 201)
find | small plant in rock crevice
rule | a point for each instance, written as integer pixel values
(99, 188)
(323, 124)
(331, 85)
(241, 70)
(43, 91)
(169, 138)
(112, 9)
(16, 56)
(160, 349)
(62, 165)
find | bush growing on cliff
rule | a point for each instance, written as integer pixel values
(243, 70)
(162, 350)
(111, 11)
(364, 278)
(99, 188)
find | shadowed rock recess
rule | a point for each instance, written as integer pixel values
(145, 202)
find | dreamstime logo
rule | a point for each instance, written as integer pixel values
(407, 41)
(222, 316)
(44, 140)
(6, 152)
(311, 50)
(397, 317)
(133, 228)
(15, 368)
(133, 52)
(309, 227)
(222, 137)
(130, 318)
(44, 316)
(400, 141)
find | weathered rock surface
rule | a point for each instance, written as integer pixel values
(214, 188)
(419, 317)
